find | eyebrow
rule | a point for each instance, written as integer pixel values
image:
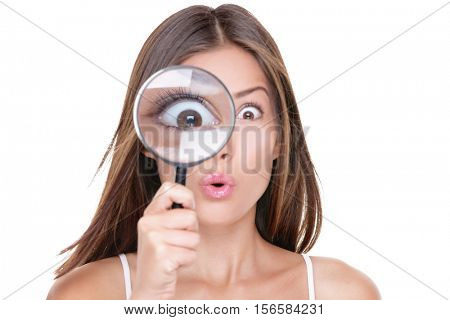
(245, 92)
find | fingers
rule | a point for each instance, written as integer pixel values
(178, 219)
(167, 194)
(179, 257)
(180, 238)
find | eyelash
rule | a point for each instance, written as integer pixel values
(173, 95)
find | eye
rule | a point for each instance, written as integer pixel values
(187, 113)
(250, 112)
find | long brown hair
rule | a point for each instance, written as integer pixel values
(288, 214)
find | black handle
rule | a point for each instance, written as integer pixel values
(181, 179)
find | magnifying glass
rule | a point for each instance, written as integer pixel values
(183, 115)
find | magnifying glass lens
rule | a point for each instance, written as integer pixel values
(184, 115)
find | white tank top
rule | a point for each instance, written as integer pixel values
(309, 272)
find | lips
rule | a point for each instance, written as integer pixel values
(217, 178)
(217, 185)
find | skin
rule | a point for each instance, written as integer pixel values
(233, 260)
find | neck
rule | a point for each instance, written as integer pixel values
(228, 254)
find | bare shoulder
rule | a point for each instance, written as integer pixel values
(98, 280)
(336, 280)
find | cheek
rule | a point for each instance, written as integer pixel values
(256, 152)
(254, 160)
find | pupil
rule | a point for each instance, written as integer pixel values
(248, 115)
(189, 118)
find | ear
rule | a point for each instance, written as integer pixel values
(276, 150)
(277, 147)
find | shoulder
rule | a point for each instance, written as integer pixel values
(336, 280)
(102, 279)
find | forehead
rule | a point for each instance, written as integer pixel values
(234, 66)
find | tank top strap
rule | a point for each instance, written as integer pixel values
(126, 275)
(310, 276)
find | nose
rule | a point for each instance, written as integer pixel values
(224, 155)
(225, 152)
(220, 161)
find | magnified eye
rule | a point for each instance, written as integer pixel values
(185, 114)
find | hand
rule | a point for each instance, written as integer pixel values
(167, 239)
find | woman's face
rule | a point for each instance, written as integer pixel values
(250, 151)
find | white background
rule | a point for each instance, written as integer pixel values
(378, 134)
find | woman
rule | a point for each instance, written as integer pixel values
(247, 243)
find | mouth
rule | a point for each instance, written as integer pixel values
(218, 186)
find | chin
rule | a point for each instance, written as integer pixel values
(219, 213)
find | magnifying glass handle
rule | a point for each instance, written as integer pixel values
(181, 179)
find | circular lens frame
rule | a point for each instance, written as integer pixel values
(136, 112)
